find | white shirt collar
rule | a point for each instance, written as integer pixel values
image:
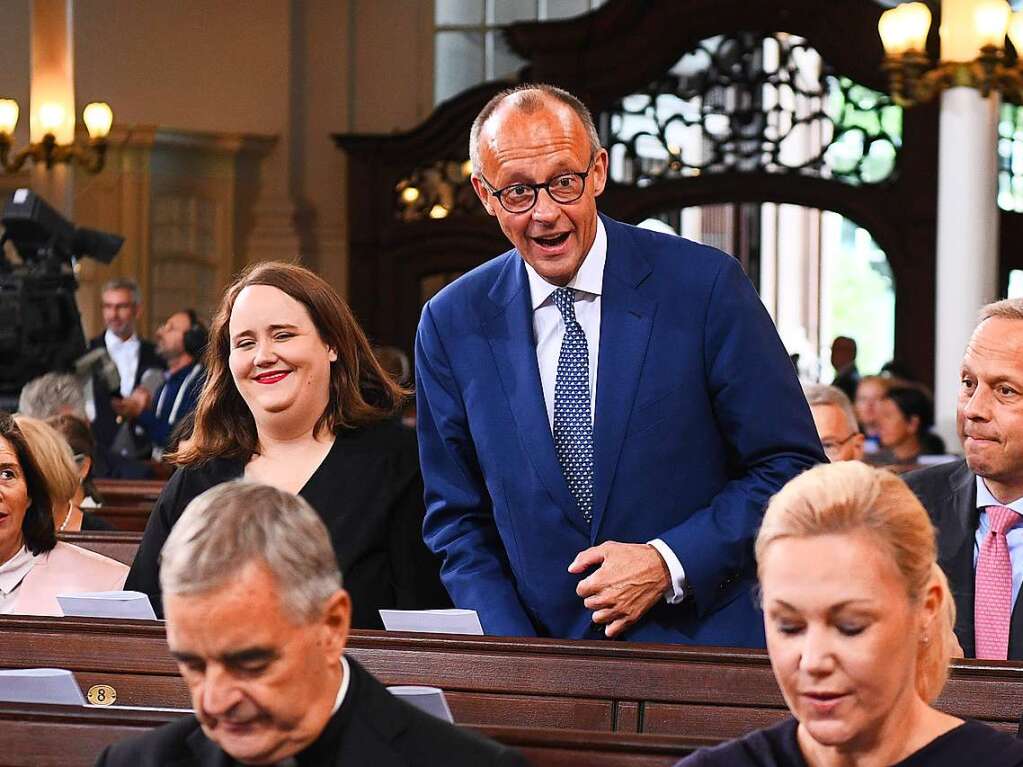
(589, 278)
(113, 342)
(346, 675)
(985, 498)
(14, 570)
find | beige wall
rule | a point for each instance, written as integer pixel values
(297, 69)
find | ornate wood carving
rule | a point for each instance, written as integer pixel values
(603, 57)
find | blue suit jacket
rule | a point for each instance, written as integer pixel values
(699, 419)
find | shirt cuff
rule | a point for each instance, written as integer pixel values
(676, 591)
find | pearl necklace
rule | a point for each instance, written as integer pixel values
(67, 517)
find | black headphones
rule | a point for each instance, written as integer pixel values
(196, 337)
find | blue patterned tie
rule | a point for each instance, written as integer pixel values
(573, 429)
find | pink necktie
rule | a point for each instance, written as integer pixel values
(992, 601)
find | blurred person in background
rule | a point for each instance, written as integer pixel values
(836, 422)
(869, 393)
(59, 468)
(905, 418)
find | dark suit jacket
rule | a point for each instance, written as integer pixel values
(699, 420)
(373, 728)
(105, 426)
(848, 382)
(949, 493)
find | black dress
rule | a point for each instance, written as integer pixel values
(92, 522)
(369, 493)
(970, 743)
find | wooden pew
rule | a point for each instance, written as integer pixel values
(128, 502)
(116, 545)
(540, 683)
(128, 519)
(130, 492)
(68, 736)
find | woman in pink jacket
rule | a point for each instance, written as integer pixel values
(34, 566)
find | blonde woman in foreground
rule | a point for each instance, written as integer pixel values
(859, 629)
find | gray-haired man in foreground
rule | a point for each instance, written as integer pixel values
(257, 621)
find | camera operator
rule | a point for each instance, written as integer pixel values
(180, 342)
(139, 366)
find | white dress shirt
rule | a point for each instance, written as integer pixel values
(12, 573)
(1013, 536)
(126, 356)
(549, 331)
(346, 675)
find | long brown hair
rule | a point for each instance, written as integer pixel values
(361, 392)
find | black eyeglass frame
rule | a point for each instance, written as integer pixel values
(835, 446)
(546, 186)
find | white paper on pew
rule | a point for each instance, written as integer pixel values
(428, 699)
(450, 621)
(107, 604)
(40, 685)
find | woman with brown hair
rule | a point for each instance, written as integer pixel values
(859, 629)
(294, 398)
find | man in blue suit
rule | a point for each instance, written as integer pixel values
(603, 411)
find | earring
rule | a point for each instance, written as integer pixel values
(925, 639)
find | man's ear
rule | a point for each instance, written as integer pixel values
(337, 620)
(599, 172)
(484, 194)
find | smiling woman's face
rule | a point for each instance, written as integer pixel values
(14, 501)
(278, 360)
(842, 634)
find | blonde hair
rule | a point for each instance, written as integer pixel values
(54, 458)
(848, 497)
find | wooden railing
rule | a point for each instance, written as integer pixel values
(69, 736)
(539, 683)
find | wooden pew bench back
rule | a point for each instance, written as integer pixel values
(69, 736)
(541, 683)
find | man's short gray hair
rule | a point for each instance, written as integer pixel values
(1006, 309)
(124, 283)
(531, 98)
(822, 394)
(52, 394)
(239, 522)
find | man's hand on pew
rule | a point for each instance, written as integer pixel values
(631, 578)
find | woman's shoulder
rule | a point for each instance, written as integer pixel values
(70, 558)
(984, 744)
(773, 746)
(191, 480)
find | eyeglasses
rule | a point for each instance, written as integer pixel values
(519, 198)
(831, 449)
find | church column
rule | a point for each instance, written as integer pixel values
(52, 96)
(967, 257)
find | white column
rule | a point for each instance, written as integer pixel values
(967, 259)
(53, 87)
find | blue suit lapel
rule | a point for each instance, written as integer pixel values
(509, 330)
(626, 319)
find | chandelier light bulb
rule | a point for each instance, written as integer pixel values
(1016, 32)
(51, 116)
(98, 118)
(8, 116)
(991, 17)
